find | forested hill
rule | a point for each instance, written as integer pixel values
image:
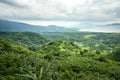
(59, 48)
(27, 39)
(56, 60)
(8, 47)
(12, 26)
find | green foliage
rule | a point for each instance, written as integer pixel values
(9, 65)
(59, 48)
(27, 39)
(59, 59)
(8, 47)
(5, 45)
(115, 55)
(94, 41)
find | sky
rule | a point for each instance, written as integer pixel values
(69, 13)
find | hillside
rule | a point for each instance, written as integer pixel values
(8, 47)
(57, 60)
(28, 39)
(59, 48)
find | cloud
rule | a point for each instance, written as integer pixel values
(61, 10)
(13, 3)
(101, 29)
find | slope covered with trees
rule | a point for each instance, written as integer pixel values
(28, 39)
(57, 47)
(8, 47)
(53, 59)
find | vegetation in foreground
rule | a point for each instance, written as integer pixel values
(55, 59)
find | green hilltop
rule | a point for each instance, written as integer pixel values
(55, 59)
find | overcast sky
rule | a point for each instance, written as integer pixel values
(61, 12)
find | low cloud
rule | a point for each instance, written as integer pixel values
(101, 29)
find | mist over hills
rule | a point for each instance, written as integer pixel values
(104, 28)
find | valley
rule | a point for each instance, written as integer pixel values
(59, 39)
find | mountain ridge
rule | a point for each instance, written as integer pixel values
(12, 26)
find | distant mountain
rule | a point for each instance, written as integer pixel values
(11, 26)
(114, 24)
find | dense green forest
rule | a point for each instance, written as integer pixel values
(59, 56)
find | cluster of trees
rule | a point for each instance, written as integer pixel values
(55, 59)
(8, 47)
(27, 39)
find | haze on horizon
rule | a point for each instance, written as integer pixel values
(68, 13)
